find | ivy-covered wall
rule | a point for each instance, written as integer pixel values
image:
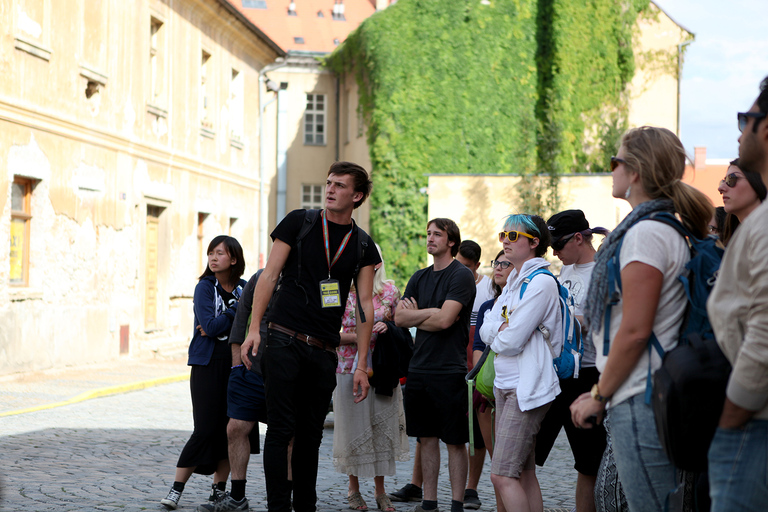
(494, 86)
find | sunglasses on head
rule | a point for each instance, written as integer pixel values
(615, 161)
(743, 118)
(731, 180)
(513, 235)
(558, 246)
(503, 264)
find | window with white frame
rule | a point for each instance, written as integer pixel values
(157, 63)
(205, 122)
(21, 215)
(312, 196)
(314, 120)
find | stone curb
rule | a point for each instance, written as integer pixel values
(98, 393)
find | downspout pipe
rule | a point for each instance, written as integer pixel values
(263, 198)
(338, 117)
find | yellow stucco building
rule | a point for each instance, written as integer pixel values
(126, 148)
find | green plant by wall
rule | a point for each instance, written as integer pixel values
(484, 87)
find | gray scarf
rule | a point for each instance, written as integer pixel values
(598, 295)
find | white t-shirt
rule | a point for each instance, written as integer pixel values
(483, 295)
(660, 246)
(576, 278)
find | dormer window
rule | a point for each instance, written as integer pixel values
(338, 10)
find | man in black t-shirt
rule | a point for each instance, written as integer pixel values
(304, 320)
(438, 302)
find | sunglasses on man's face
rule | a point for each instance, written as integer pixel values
(560, 244)
(615, 161)
(503, 264)
(513, 235)
(731, 180)
(743, 118)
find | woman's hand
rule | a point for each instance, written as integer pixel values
(379, 327)
(200, 328)
(585, 407)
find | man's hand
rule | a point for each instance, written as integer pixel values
(360, 385)
(407, 303)
(733, 416)
(503, 326)
(584, 408)
(251, 343)
(200, 328)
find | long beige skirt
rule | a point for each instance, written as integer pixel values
(370, 436)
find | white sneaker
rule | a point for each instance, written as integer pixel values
(172, 500)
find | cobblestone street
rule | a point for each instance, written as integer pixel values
(119, 453)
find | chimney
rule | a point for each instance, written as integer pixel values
(699, 159)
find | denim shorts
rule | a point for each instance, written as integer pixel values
(738, 468)
(245, 396)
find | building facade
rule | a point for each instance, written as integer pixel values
(129, 138)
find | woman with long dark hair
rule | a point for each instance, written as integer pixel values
(215, 303)
(742, 191)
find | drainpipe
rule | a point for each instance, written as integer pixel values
(338, 115)
(263, 199)
(679, 79)
(282, 152)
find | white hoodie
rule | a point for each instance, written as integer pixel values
(523, 359)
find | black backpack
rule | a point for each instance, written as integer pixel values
(688, 397)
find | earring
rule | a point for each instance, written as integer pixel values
(629, 190)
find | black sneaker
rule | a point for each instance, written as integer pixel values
(224, 504)
(171, 501)
(471, 499)
(216, 493)
(408, 493)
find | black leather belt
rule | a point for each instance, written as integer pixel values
(309, 340)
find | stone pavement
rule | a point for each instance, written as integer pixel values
(118, 452)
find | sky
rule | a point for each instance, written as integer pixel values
(722, 70)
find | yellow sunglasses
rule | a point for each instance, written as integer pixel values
(513, 235)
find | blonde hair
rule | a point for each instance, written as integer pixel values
(658, 156)
(380, 276)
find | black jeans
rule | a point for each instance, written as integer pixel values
(299, 380)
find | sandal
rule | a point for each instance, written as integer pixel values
(384, 503)
(356, 501)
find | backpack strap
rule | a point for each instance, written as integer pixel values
(614, 283)
(542, 328)
(362, 245)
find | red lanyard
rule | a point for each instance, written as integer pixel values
(328, 244)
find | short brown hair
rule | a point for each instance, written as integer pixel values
(359, 175)
(451, 229)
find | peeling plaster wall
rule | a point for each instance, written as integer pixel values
(98, 163)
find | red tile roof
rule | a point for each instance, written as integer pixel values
(318, 32)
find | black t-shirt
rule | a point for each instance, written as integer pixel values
(442, 351)
(300, 309)
(221, 348)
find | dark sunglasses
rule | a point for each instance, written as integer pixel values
(558, 246)
(503, 264)
(743, 118)
(731, 180)
(615, 161)
(513, 235)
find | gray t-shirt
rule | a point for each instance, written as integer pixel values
(576, 278)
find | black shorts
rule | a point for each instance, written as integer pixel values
(587, 444)
(436, 406)
(245, 396)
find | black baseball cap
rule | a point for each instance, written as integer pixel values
(566, 223)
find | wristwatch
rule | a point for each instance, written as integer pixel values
(597, 396)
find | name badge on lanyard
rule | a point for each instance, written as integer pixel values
(330, 293)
